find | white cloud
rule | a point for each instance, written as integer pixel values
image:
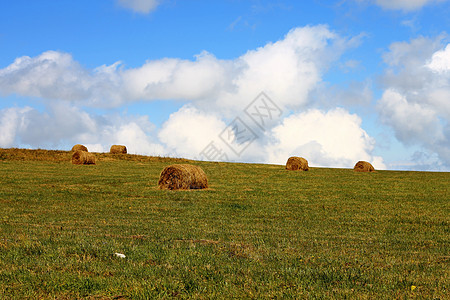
(330, 139)
(139, 6)
(11, 120)
(410, 54)
(411, 121)
(415, 101)
(27, 126)
(334, 138)
(56, 76)
(288, 70)
(64, 125)
(135, 134)
(440, 61)
(50, 75)
(188, 131)
(178, 79)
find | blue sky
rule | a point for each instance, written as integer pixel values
(353, 79)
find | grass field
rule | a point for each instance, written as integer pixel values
(259, 231)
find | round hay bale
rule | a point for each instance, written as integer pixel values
(363, 166)
(118, 149)
(83, 158)
(79, 147)
(182, 177)
(295, 163)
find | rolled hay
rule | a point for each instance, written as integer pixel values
(363, 166)
(295, 163)
(182, 177)
(118, 149)
(79, 147)
(83, 158)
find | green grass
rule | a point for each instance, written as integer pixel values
(259, 231)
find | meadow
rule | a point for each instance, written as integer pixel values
(258, 231)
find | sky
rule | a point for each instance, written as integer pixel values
(252, 81)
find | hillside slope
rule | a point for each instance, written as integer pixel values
(258, 231)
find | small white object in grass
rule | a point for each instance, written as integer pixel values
(120, 255)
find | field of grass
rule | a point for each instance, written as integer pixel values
(259, 231)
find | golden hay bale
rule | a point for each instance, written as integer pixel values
(363, 166)
(118, 149)
(182, 177)
(83, 158)
(79, 147)
(297, 163)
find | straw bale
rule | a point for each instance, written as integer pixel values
(79, 147)
(83, 158)
(183, 176)
(363, 166)
(118, 149)
(295, 163)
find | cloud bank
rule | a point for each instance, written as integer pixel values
(415, 103)
(214, 91)
(64, 125)
(287, 69)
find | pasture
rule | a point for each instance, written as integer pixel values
(258, 231)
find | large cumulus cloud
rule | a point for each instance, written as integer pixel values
(331, 138)
(415, 102)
